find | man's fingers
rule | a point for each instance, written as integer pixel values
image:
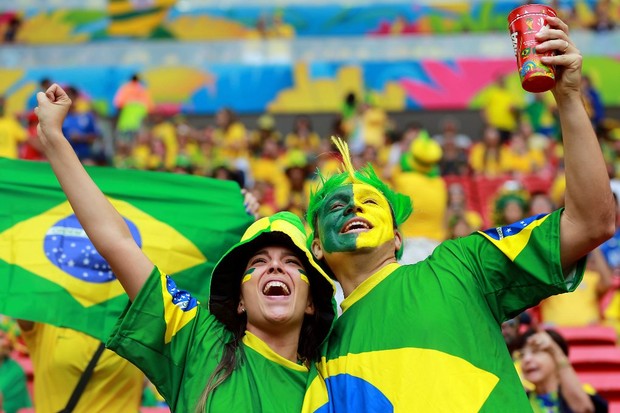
(557, 22)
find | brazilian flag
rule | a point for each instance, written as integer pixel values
(50, 271)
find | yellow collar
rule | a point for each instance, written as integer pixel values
(264, 350)
(368, 284)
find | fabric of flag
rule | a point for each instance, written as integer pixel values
(50, 271)
(436, 345)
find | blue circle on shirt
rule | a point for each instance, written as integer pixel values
(353, 394)
(68, 248)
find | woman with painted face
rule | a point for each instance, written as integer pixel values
(544, 363)
(271, 305)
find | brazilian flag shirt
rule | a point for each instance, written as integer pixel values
(426, 337)
(177, 343)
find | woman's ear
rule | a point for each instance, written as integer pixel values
(240, 307)
(310, 307)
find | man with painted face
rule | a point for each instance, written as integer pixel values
(426, 337)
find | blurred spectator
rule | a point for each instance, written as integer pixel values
(455, 146)
(60, 356)
(12, 133)
(488, 157)
(603, 21)
(593, 102)
(297, 172)
(401, 144)
(13, 390)
(349, 106)
(547, 146)
(457, 211)
(510, 204)
(582, 306)
(133, 101)
(611, 248)
(374, 122)
(501, 108)
(44, 84)
(230, 135)
(544, 363)
(426, 227)
(266, 130)
(187, 148)
(165, 130)
(224, 172)
(302, 136)
(31, 148)
(449, 127)
(511, 332)
(80, 128)
(458, 227)
(520, 158)
(269, 177)
(280, 29)
(541, 113)
(12, 29)
(540, 203)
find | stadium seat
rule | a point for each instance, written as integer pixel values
(614, 406)
(535, 183)
(154, 410)
(606, 383)
(589, 335)
(485, 190)
(595, 358)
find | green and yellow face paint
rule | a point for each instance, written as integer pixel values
(355, 194)
(247, 275)
(304, 277)
(354, 216)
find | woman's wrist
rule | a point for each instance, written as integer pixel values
(562, 362)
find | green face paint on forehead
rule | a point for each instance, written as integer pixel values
(247, 275)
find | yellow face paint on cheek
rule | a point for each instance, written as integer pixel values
(304, 277)
(377, 211)
(247, 275)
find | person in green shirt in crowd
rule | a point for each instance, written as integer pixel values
(253, 348)
(13, 390)
(426, 337)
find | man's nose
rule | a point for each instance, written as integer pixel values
(353, 207)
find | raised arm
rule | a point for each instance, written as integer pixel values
(589, 215)
(103, 224)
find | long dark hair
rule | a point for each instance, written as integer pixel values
(233, 356)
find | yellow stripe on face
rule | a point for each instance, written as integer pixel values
(247, 276)
(304, 277)
(376, 210)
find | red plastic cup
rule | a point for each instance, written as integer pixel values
(524, 22)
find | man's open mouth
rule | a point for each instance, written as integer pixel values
(356, 225)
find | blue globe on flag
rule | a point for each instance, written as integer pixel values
(67, 246)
